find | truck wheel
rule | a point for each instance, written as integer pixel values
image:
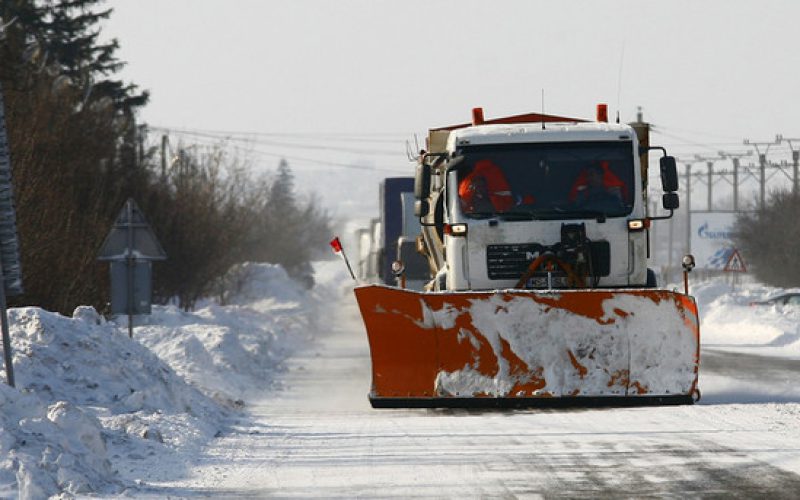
(651, 279)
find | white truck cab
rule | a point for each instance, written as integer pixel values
(499, 196)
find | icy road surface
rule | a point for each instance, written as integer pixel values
(318, 437)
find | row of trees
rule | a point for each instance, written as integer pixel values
(210, 215)
(78, 153)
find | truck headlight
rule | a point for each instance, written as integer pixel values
(638, 224)
(455, 229)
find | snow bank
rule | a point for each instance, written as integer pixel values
(92, 362)
(230, 352)
(45, 449)
(727, 320)
(87, 397)
(94, 410)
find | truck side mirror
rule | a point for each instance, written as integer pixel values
(669, 174)
(421, 208)
(670, 201)
(422, 181)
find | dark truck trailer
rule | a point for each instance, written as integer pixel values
(392, 217)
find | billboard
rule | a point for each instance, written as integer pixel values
(712, 239)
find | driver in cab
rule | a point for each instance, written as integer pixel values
(485, 190)
(593, 190)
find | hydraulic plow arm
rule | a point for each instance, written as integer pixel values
(517, 347)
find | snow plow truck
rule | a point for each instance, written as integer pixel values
(535, 228)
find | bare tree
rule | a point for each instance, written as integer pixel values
(769, 239)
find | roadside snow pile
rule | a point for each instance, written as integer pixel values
(728, 320)
(231, 352)
(95, 363)
(89, 397)
(44, 450)
(94, 411)
(267, 284)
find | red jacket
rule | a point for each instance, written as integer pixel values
(496, 183)
(610, 180)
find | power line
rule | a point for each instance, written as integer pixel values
(695, 147)
(376, 137)
(325, 163)
(250, 140)
(695, 132)
(706, 146)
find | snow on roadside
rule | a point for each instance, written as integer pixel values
(727, 320)
(94, 411)
(87, 399)
(231, 352)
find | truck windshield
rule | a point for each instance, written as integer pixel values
(547, 180)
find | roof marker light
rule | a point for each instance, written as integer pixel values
(602, 113)
(477, 116)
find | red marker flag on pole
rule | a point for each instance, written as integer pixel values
(336, 245)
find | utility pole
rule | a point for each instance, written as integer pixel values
(688, 208)
(735, 157)
(164, 142)
(762, 161)
(710, 165)
(795, 163)
(141, 133)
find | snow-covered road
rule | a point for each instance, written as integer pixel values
(316, 436)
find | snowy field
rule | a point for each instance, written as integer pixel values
(266, 396)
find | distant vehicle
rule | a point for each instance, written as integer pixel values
(394, 219)
(783, 299)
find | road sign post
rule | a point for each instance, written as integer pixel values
(10, 269)
(8, 360)
(130, 247)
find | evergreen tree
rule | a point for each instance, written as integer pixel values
(282, 212)
(19, 48)
(60, 39)
(281, 195)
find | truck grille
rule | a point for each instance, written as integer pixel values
(509, 262)
(505, 262)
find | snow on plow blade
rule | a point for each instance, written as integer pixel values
(528, 348)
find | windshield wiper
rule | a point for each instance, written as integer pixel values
(481, 215)
(516, 216)
(532, 214)
(544, 214)
(600, 215)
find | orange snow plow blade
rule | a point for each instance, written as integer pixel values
(527, 348)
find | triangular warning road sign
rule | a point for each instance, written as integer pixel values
(735, 263)
(131, 236)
